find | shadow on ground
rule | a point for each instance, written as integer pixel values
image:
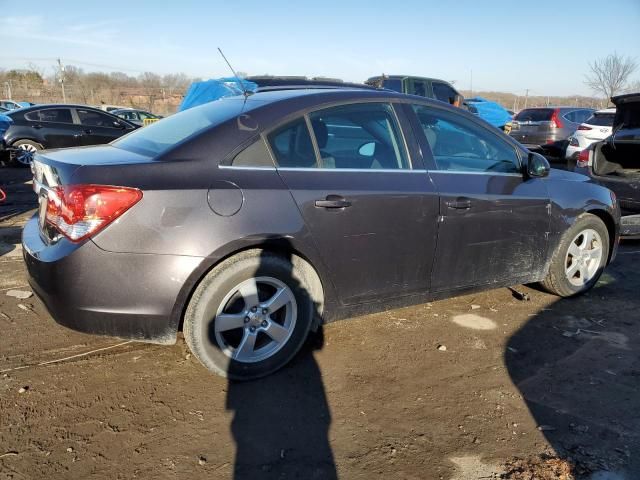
(281, 423)
(577, 365)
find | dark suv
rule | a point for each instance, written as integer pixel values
(250, 221)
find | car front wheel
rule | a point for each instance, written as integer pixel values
(580, 258)
(250, 315)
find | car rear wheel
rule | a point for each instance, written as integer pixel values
(250, 315)
(22, 152)
(580, 258)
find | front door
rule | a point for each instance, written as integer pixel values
(371, 213)
(493, 221)
(98, 128)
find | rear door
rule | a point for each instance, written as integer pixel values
(493, 222)
(367, 202)
(98, 127)
(54, 127)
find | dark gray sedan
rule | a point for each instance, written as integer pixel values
(248, 222)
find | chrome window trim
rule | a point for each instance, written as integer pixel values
(378, 170)
(238, 167)
(500, 174)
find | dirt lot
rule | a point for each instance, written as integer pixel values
(543, 389)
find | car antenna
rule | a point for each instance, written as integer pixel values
(245, 92)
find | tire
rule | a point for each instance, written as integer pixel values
(580, 258)
(22, 152)
(227, 292)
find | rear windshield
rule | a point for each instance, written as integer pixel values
(534, 115)
(601, 119)
(159, 137)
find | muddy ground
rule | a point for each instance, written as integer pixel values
(545, 388)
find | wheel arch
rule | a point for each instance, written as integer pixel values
(12, 142)
(319, 285)
(610, 223)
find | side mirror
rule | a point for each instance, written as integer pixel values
(368, 149)
(537, 165)
(117, 124)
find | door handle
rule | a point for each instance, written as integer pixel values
(333, 201)
(37, 126)
(87, 131)
(460, 203)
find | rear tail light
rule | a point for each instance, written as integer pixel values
(584, 158)
(555, 119)
(80, 211)
(584, 127)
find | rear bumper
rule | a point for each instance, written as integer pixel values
(85, 288)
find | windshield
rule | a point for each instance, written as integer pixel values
(535, 115)
(160, 136)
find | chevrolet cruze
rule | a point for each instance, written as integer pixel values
(248, 222)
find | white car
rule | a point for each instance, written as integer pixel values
(596, 128)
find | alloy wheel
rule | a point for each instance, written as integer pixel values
(584, 257)
(24, 153)
(255, 319)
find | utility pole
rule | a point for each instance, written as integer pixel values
(64, 96)
(526, 98)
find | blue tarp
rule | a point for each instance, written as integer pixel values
(489, 111)
(210, 90)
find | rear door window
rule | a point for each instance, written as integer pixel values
(444, 92)
(90, 118)
(292, 145)
(458, 144)
(255, 155)
(360, 136)
(56, 115)
(601, 119)
(418, 87)
(534, 115)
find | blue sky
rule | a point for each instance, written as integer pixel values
(544, 46)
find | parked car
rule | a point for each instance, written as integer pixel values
(250, 221)
(595, 128)
(615, 161)
(445, 92)
(2, 109)
(55, 126)
(137, 117)
(10, 104)
(421, 86)
(547, 128)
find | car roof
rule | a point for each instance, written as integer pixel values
(55, 105)
(606, 111)
(627, 98)
(432, 79)
(59, 105)
(561, 107)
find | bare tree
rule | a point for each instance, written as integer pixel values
(633, 87)
(609, 75)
